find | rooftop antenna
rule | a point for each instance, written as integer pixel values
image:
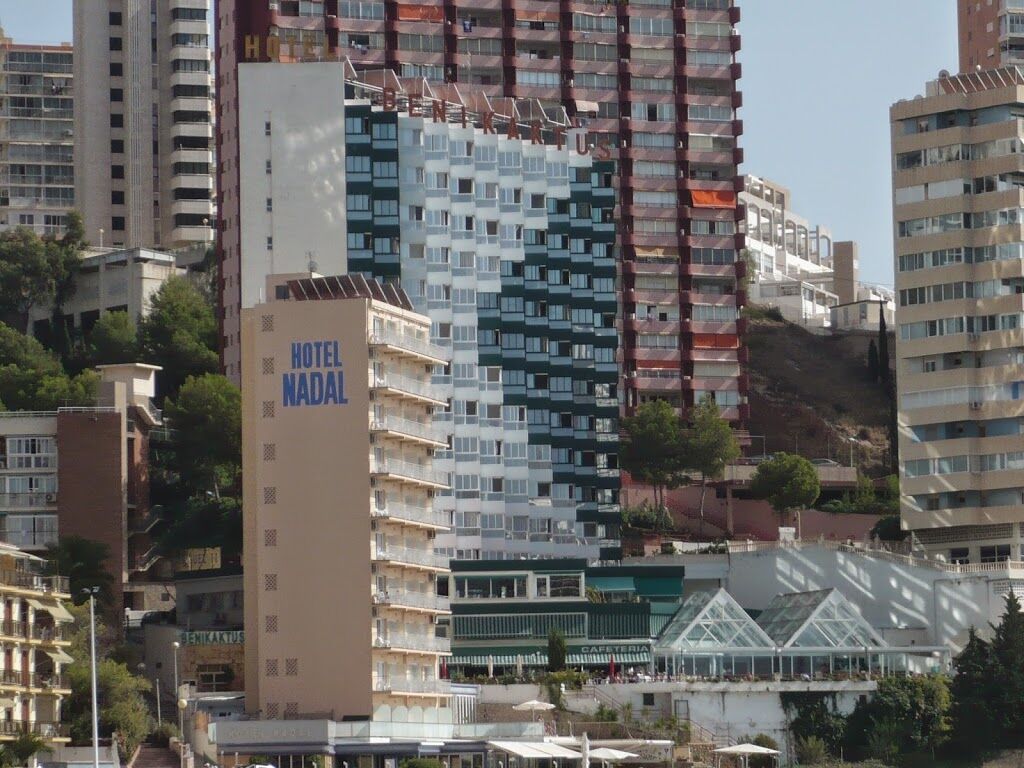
(312, 261)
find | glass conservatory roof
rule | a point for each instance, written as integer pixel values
(711, 621)
(822, 619)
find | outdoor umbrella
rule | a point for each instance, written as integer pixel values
(611, 667)
(519, 665)
(490, 666)
(585, 751)
(534, 706)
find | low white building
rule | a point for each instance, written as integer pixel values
(110, 281)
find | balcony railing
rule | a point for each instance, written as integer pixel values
(397, 686)
(422, 557)
(399, 512)
(27, 500)
(410, 642)
(46, 730)
(424, 430)
(401, 598)
(422, 472)
(408, 385)
(409, 343)
(21, 629)
(33, 581)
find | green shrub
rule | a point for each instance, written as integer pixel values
(761, 740)
(421, 762)
(605, 714)
(811, 751)
(163, 733)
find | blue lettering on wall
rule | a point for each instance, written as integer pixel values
(316, 377)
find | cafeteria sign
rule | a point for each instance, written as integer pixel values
(614, 648)
(231, 637)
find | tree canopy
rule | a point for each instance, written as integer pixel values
(206, 417)
(708, 445)
(83, 561)
(179, 334)
(786, 481)
(31, 378)
(113, 339)
(651, 451)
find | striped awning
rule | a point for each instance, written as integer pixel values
(603, 659)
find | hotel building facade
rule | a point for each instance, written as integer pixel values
(959, 245)
(504, 243)
(37, 173)
(337, 429)
(144, 122)
(654, 81)
(35, 646)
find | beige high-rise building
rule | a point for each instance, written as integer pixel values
(959, 235)
(143, 122)
(340, 570)
(37, 182)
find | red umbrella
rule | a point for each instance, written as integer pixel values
(611, 667)
(444, 669)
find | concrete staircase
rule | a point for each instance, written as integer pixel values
(150, 756)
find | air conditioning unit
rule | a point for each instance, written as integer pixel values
(975, 406)
(51, 498)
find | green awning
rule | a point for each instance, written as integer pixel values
(603, 659)
(612, 583)
(478, 657)
(668, 586)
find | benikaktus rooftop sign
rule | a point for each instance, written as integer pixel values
(316, 377)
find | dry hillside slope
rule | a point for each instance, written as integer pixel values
(809, 393)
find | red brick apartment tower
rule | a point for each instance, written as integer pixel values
(978, 32)
(655, 83)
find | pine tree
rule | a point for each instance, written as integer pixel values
(972, 718)
(883, 347)
(1008, 657)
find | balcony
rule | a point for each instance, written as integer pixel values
(426, 517)
(28, 500)
(410, 643)
(404, 556)
(412, 601)
(21, 630)
(406, 471)
(398, 687)
(407, 343)
(406, 386)
(45, 730)
(34, 582)
(407, 429)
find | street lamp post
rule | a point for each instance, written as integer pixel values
(853, 442)
(177, 691)
(156, 679)
(92, 591)
(181, 737)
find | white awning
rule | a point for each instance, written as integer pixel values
(746, 749)
(583, 105)
(58, 655)
(535, 750)
(58, 611)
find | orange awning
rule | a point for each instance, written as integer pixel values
(715, 341)
(707, 198)
(659, 364)
(407, 12)
(536, 15)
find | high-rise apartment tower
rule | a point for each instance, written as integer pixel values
(652, 81)
(143, 122)
(37, 180)
(959, 246)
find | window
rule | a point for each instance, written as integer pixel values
(115, 43)
(270, 243)
(114, 19)
(116, 94)
(357, 164)
(116, 69)
(117, 223)
(117, 171)
(117, 198)
(116, 121)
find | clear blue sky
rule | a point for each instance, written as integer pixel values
(818, 79)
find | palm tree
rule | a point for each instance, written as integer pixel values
(21, 750)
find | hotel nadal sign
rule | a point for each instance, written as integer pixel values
(316, 377)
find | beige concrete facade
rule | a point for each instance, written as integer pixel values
(37, 183)
(143, 122)
(338, 524)
(958, 177)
